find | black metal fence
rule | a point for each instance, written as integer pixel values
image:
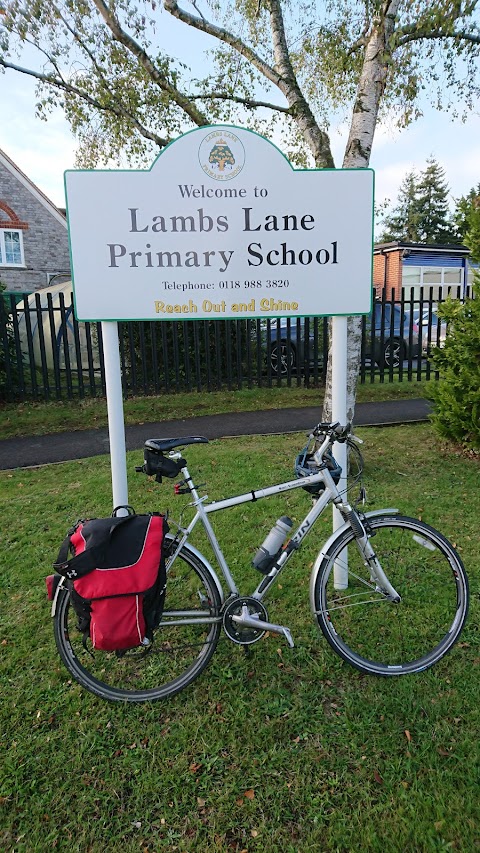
(46, 354)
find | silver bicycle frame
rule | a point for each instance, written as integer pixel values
(204, 509)
(330, 494)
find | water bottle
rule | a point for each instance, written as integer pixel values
(268, 551)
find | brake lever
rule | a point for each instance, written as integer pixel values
(355, 439)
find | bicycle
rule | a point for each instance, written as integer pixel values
(402, 609)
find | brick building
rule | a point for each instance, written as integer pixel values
(33, 233)
(399, 266)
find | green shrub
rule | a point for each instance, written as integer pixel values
(457, 394)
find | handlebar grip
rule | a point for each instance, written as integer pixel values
(140, 469)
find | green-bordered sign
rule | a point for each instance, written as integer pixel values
(221, 226)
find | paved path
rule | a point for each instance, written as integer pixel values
(60, 447)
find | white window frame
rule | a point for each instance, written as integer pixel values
(441, 284)
(472, 269)
(3, 254)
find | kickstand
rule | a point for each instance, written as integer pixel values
(248, 651)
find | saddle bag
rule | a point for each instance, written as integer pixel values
(116, 578)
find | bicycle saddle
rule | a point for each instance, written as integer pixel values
(162, 445)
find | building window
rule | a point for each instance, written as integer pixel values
(11, 248)
(472, 269)
(411, 276)
(440, 279)
(432, 275)
(452, 276)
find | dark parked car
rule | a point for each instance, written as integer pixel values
(395, 339)
(287, 347)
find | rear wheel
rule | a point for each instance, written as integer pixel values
(375, 634)
(182, 645)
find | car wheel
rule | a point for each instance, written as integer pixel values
(393, 353)
(282, 358)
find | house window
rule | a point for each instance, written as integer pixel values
(11, 248)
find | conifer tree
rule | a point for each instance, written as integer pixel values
(467, 221)
(402, 222)
(422, 213)
(435, 222)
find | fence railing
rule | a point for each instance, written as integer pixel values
(45, 353)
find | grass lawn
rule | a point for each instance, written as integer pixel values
(32, 418)
(286, 750)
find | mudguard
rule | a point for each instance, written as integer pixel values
(60, 586)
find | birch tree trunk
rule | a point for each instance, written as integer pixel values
(357, 156)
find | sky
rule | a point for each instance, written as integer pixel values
(44, 150)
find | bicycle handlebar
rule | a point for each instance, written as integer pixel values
(333, 430)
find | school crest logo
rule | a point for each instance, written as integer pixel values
(221, 155)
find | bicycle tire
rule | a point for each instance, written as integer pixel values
(178, 654)
(386, 638)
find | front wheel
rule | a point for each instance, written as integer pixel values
(375, 634)
(182, 645)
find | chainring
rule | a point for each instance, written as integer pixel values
(243, 636)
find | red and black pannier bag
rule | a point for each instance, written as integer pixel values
(116, 578)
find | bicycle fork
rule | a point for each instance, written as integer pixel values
(377, 575)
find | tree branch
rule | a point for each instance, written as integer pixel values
(359, 44)
(120, 112)
(225, 36)
(48, 57)
(300, 109)
(370, 87)
(144, 60)
(247, 102)
(410, 34)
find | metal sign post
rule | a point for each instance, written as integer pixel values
(116, 425)
(339, 413)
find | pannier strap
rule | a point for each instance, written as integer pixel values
(91, 558)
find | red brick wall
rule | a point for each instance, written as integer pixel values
(387, 272)
(378, 273)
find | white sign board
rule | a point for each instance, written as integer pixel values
(220, 227)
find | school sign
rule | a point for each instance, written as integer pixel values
(220, 227)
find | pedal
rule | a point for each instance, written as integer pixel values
(245, 620)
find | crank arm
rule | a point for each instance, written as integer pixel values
(252, 621)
